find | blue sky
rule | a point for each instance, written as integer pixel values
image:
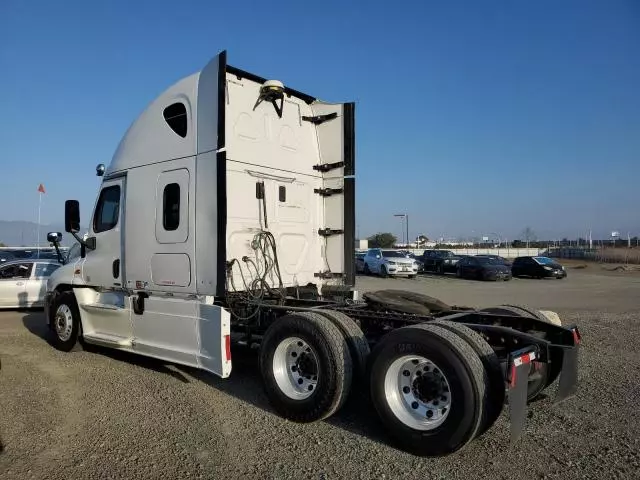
(472, 117)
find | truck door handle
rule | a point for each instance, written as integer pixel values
(116, 268)
(19, 283)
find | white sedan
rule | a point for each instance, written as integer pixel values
(23, 283)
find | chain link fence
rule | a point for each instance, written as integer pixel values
(601, 253)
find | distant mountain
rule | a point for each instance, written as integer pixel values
(18, 234)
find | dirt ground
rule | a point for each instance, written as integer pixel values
(106, 414)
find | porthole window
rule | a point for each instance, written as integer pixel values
(176, 117)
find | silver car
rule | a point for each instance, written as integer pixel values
(23, 283)
(389, 263)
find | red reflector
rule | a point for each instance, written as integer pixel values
(576, 336)
(227, 347)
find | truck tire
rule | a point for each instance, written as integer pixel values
(545, 316)
(64, 330)
(356, 340)
(429, 388)
(491, 363)
(306, 366)
(405, 302)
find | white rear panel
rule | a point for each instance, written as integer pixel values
(281, 152)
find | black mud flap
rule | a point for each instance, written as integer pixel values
(519, 368)
(568, 383)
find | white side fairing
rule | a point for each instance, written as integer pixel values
(184, 331)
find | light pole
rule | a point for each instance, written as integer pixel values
(406, 220)
(498, 237)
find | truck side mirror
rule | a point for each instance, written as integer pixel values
(54, 237)
(72, 216)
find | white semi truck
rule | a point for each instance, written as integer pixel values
(226, 216)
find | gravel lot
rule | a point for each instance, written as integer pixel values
(105, 414)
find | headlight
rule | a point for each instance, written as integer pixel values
(548, 268)
(391, 263)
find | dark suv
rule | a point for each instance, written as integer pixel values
(537, 267)
(440, 261)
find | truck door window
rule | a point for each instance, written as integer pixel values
(108, 209)
(171, 207)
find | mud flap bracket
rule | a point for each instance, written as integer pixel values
(518, 378)
(568, 383)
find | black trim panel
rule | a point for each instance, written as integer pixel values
(349, 231)
(221, 180)
(349, 138)
(255, 78)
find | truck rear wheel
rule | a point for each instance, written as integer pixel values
(491, 363)
(306, 366)
(357, 342)
(429, 388)
(548, 316)
(65, 324)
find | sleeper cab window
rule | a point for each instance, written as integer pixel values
(176, 117)
(171, 207)
(107, 210)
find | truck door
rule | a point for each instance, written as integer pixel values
(105, 311)
(102, 266)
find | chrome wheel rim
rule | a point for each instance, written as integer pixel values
(417, 392)
(64, 322)
(295, 368)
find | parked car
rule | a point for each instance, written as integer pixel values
(23, 283)
(23, 253)
(440, 261)
(500, 259)
(6, 256)
(416, 259)
(537, 267)
(360, 262)
(389, 262)
(483, 268)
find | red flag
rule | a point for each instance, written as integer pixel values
(41, 188)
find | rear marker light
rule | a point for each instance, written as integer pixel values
(576, 336)
(227, 347)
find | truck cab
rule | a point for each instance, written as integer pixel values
(222, 176)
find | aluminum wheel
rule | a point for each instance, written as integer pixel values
(64, 322)
(417, 392)
(295, 368)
